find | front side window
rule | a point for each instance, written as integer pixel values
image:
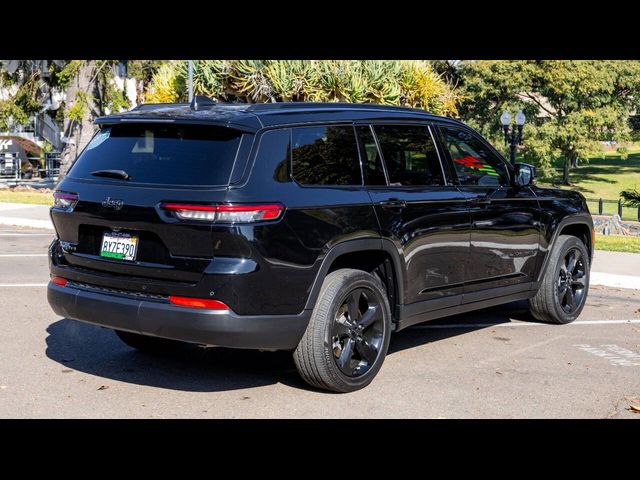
(325, 155)
(474, 163)
(409, 155)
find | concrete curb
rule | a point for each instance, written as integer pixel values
(614, 280)
(27, 222)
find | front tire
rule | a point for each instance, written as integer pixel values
(348, 335)
(564, 287)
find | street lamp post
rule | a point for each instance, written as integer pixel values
(512, 139)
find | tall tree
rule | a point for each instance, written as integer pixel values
(80, 77)
(90, 92)
(571, 105)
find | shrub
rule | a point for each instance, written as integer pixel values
(624, 152)
(631, 197)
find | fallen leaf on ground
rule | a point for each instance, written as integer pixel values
(498, 372)
(634, 408)
(103, 387)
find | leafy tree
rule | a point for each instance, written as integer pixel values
(91, 92)
(571, 105)
(25, 95)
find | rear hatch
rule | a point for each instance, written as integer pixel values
(117, 225)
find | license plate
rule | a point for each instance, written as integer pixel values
(118, 245)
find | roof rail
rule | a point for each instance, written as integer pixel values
(327, 105)
(154, 106)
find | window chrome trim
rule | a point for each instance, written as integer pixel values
(384, 164)
(445, 179)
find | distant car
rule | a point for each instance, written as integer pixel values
(315, 228)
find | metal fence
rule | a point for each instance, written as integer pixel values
(600, 206)
(52, 164)
(11, 168)
(47, 128)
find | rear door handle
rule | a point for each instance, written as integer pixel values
(393, 203)
(480, 201)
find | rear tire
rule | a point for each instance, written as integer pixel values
(146, 343)
(348, 335)
(565, 284)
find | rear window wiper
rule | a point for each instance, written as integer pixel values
(112, 174)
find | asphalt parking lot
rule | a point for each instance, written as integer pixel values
(496, 363)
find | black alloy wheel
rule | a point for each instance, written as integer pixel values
(357, 333)
(572, 281)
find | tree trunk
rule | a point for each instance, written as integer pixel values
(574, 161)
(78, 134)
(565, 174)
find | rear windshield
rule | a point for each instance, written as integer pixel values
(162, 154)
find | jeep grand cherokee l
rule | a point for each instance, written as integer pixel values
(315, 228)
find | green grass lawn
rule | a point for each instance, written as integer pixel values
(618, 243)
(26, 197)
(604, 177)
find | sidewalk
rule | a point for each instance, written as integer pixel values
(24, 215)
(616, 269)
(612, 269)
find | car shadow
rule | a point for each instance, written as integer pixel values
(448, 327)
(98, 351)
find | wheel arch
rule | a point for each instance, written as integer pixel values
(580, 226)
(363, 254)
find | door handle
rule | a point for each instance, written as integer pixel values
(480, 201)
(393, 203)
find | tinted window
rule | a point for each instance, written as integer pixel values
(374, 174)
(409, 155)
(163, 154)
(325, 156)
(475, 164)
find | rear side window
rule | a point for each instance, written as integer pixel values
(475, 164)
(162, 154)
(373, 171)
(325, 156)
(409, 155)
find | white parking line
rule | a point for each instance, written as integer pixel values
(524, 324)
(20, 285)
(9, 255)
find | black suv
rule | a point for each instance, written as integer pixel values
(315, 228)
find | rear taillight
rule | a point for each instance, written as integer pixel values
(198, 303)
(64, 200)
(62, 282)
(225, 213)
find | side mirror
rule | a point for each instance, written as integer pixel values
(524, 174)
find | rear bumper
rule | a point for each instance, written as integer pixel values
(211, 327)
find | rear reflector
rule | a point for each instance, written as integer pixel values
(225, 213)
(198, 303)
(59, 281)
